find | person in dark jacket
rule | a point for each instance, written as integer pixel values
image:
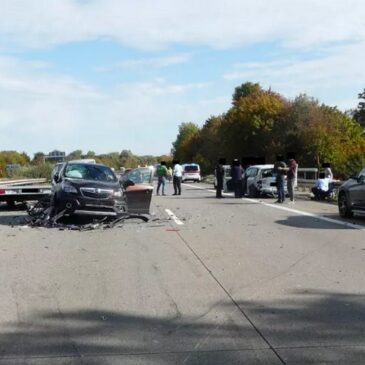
(280, 170)
(236, 174)
(219, 174)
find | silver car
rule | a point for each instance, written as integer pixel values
(260, 180)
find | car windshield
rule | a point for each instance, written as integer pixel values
(139, 176)
(89, 172)
(191, 168)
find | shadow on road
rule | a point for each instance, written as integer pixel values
(314, 326)
(96, 336)
(309, 319)
(314, 223)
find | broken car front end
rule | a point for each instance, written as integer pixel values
(87, 189)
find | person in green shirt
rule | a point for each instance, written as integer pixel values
(161, 177)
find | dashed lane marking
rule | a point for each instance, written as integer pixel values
(173, 216)
(296, 211)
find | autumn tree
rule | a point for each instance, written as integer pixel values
(247, 127)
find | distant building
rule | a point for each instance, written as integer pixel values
(55, 156)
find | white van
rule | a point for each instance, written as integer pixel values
(191, 172)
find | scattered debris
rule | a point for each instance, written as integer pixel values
(40, 215)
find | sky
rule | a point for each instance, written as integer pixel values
(109, 75)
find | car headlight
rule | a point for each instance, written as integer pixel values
(118, 194)
(69, 189)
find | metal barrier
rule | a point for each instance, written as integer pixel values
(307, 173)
(22, 182)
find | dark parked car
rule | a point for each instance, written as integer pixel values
(86, 189)
(351, 196)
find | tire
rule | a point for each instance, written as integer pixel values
(253, 192)
(343, 206)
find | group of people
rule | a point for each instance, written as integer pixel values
(165, 173)
(281, 170)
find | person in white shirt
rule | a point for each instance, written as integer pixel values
(176, 177)
(321, 187)
(327, 171)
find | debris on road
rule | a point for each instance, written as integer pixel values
(40, 215)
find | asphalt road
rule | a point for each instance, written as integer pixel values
(205, 281)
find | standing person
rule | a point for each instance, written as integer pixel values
(291, 176)
(176, 177)
(169, 174)
(219, 174)
(236, 174)
(161, 176)
(280, 171)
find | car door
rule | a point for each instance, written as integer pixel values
(251, 178)
(357, 191)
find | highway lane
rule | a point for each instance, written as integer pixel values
(235, 282)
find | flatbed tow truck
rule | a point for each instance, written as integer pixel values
(13, 191)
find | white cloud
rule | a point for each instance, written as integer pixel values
(157, 62)
(42, 111)
(152, 24)
(328, 77)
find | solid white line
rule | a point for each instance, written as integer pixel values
(173, 216)
(307, 214)
(300, 212)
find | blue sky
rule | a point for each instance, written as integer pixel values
(108, 75)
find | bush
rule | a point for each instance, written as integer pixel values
(32, 172)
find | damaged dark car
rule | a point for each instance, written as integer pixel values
(86, 189)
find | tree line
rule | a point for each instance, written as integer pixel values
(38, 167)
(265, 124)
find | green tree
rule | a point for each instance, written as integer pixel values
(186, 144)
(74, 155)
(245, 90)
(359, 113)
(210, 145)
(38, 158)
(90, 154)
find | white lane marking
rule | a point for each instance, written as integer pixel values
(299, 212)
(307, 214)
(173, 216)
(210, 190)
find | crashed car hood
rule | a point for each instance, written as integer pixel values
(80, 183)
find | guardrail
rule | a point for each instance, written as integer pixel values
(22, 182)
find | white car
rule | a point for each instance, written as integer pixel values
(260, 180)
(191, 172)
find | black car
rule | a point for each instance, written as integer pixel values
(86, 189)
(351, 196)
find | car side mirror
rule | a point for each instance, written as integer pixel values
(361, 179)
(56, 178)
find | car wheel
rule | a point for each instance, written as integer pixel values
(343, 207)
(253, 192)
